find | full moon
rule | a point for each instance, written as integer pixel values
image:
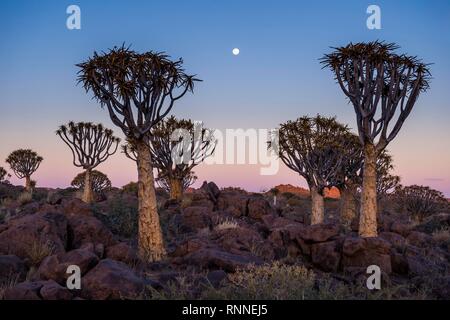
(236, 51)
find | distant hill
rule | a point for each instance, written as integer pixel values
(332, 193)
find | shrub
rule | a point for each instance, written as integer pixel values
(131, 188)
(121, 217)
(24, 198)
(226, 224)
(419, 201)
(36, 251)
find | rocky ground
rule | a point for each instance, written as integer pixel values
(221, 244)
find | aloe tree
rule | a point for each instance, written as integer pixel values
(383, 88)
(91, 144)
(99, 182)
(177, 146)
(314, 148)
(24, 162)
(138, 90)
(4, 175)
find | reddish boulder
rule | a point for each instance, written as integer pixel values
(53, 291)
(55, 266)
(24, 291)
(187, 246)
(195, 218)
(400, 227)
(12, 266)
(217, 259)
(111, 280)
(22, 234)
(233, 202)
(122, 252)
(257, 207)
(395, 239)
(83, 229)
(319, 232)
(75, 207)
(363, 252)
(419, 239)
(236, 240)
(326, 255)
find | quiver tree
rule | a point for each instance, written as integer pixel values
(91, 144)
(24, 162)
(383, 87)
(274, 192)
(4, 176)
(349, 180)
(164, 182)
(176, 147)
(138, 90)
(419, 201)
(99, 182)
(313, 147)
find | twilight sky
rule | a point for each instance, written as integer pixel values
(275, 78)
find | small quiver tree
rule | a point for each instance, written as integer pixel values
(91, 144)
(419, 201)
(99, 182)
(4, 175)
(24, 162)
(313, 147)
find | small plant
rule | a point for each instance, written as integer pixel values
(24, 198)
(10, 281)
(226, 224)
(121, 217)
(36, 251)
(131, 188)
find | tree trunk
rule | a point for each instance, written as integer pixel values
(368, 214)
(28, 187)
(176, 189)
(347, 206)
(88, 196)
(317, 209)
(151, 245)
(275, 200)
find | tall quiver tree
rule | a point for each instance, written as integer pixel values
(24, 162)
(313, 147)
(138, 90)
(91, 144)
(383, 87)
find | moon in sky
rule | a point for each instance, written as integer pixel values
(236, 51)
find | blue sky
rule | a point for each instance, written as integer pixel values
(276, 77)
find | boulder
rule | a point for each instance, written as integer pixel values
(84, 229)
(217, 259)
(419, 239)
(233, 202)
(187, 246)
(53, 291)
(395, 239)
(216, 277)
(257, 207)
(326, 255)
(24, 291)
(236, 240)
(37, 290)
(55, 266)
(111, 280)
(363, 252)
(122, 252)
(400, 227)
(74, 206)
(12, 267)
(22, 234)
(319, 232)
(195, 218)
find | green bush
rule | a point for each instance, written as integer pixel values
(120, 216)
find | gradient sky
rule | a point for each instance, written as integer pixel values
(276, 77)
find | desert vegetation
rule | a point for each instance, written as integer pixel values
(159, 238)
